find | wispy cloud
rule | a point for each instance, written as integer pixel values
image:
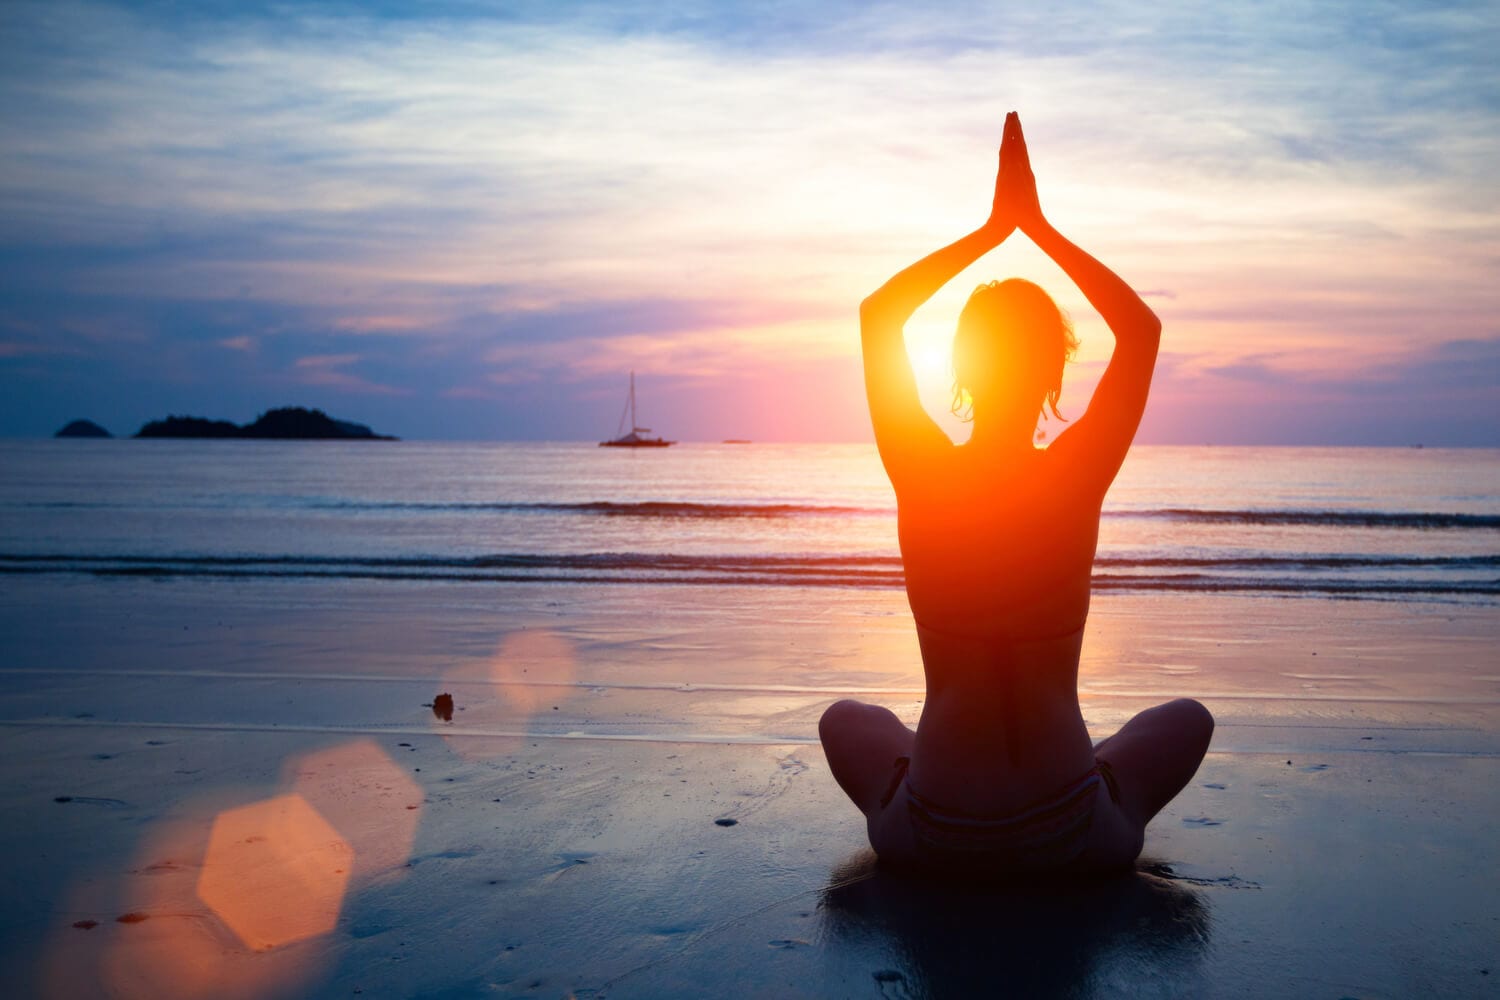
(330, 370)
(569, 191)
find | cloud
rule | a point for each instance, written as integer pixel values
(566, 191)
(1253, 368)
(14, 349)
(1449, 365)
(1420, 371)
(327, 370)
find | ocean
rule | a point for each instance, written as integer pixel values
(1408, 524)
(207, 646)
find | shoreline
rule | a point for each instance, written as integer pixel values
(560, 836)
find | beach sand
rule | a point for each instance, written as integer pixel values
(239, 788)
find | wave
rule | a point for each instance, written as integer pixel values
(671, 509)
(604, 508)
(1314, 574)
(1301, 561)
(612, 508)
(1344, 518)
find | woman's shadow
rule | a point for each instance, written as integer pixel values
(1041, 939)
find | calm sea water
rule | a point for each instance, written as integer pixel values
(1419, 523)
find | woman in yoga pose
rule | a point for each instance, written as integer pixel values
(997, 539)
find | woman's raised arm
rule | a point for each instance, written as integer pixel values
(1097, 442)
(904, 432)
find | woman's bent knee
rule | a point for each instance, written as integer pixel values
(1196, 721)
(838, 717)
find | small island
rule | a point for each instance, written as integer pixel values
(288, 423)
(83, 429)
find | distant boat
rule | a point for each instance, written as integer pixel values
(636, 437)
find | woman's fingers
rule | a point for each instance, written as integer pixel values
(1019, 143)
(1013, 143)
(1015, 186)
(1011, 130)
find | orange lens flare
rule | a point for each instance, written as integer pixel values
(228, 899)
(374, 805)
(530, 672)
(151, 933)
(275, 872)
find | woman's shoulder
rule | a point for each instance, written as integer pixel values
(961, 476)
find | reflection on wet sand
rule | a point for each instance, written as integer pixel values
(531, 671)
(275, 872)
(239, 893)
(167, 941)
(374, 804)
(1106, 938)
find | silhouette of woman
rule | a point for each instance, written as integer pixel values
(997, 539)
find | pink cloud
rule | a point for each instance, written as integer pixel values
(325, 370)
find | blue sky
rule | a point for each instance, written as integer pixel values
(470, 220)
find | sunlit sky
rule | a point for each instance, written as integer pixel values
(470, 220)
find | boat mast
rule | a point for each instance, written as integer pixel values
(629, 410)
(635, 438)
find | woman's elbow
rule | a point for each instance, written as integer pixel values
(1143, 334)
(884, 313)
(1148, 327)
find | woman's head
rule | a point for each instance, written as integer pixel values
(1009, 352)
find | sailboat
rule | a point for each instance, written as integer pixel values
(635, 438)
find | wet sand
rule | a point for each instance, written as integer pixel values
(252, 776)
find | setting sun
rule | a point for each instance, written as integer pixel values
(931, 352)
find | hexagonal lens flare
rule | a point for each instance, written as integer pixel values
(530, 671)
(275, 872)
(374, 804)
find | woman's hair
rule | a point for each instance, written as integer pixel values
(1010, 327)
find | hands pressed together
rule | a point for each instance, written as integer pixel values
(1016, 205)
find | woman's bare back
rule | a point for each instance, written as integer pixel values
(998, 546)
(997, 575)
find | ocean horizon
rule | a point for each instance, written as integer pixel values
(1419, 523)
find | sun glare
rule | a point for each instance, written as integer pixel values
(930, 349)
